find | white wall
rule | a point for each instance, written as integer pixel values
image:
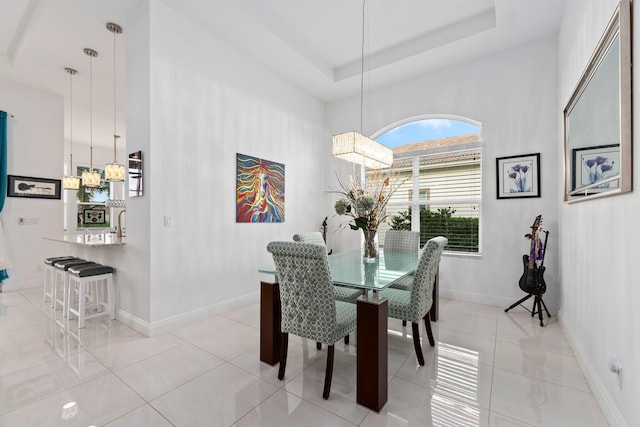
(206, 103)
(190, 111)
(513, 94)
(134, 289)
(599, 294)
(34, 148)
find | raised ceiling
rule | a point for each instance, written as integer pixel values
(317, 45)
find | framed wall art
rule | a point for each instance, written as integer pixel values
(259, 190)
(30, 187)
(593, 164)
(94, 216)
(518, 176)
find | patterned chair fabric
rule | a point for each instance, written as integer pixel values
(414, 304)
(309, 308)
(310, 237)
(402, 240)
(340, 293)
(404, 283)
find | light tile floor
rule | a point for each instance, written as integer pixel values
(489, 368)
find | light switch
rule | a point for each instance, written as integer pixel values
(27, 221)
(168, 221)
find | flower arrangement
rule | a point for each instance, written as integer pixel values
(366, 206)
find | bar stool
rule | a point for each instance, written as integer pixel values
(49, 276)
(80, 277)
(61, 279)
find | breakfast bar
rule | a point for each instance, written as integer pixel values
(97, 239)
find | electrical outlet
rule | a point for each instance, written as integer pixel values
(615, 367)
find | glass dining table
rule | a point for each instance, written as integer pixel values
(349, 269)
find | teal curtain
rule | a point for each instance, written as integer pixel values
(3, 172)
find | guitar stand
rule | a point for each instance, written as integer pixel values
(538, 304)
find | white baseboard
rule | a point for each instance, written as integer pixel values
(134, 322)
(497, 301)
(602, 396)
(13, 285)
(164, 325)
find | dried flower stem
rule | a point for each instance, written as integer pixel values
(367, 206)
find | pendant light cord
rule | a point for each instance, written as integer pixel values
(68, 185)
(362, 71)
(115, 29)
(91, 112)
(70, 123)
(114, 99)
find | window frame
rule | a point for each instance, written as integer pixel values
(81, 206)
(415, 203)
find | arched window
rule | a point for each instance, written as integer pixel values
(442, 157)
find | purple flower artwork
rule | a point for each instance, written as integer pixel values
(597, 169)
(592, 165)
(518, 176)
(518, 179)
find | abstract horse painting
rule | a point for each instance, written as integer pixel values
(259, 190)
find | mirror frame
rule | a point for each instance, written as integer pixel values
(136, 178)
(619, 25)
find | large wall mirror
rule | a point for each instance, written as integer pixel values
(597, 119)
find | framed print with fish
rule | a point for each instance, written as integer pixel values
(518, 176)
(35, 188)
(259, 190)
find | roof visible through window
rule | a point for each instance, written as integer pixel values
(426, 130)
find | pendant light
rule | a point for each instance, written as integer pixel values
(70, 181)
(354, 146)
(113, 171)
(91, 178)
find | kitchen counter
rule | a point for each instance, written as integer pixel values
(88, 239)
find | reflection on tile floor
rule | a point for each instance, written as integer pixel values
(488, 368)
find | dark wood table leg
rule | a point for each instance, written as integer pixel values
(435, 308)
(372, 353)
(270, 317)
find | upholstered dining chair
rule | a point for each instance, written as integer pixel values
(414, 305)
(341, 293)
(308, 306)
(402, 240)
(310, 237)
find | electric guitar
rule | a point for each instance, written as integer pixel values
(532, 281)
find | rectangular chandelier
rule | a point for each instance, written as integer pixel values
(70, 182)
(114, 172)
(90, 179)
(357, 148)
